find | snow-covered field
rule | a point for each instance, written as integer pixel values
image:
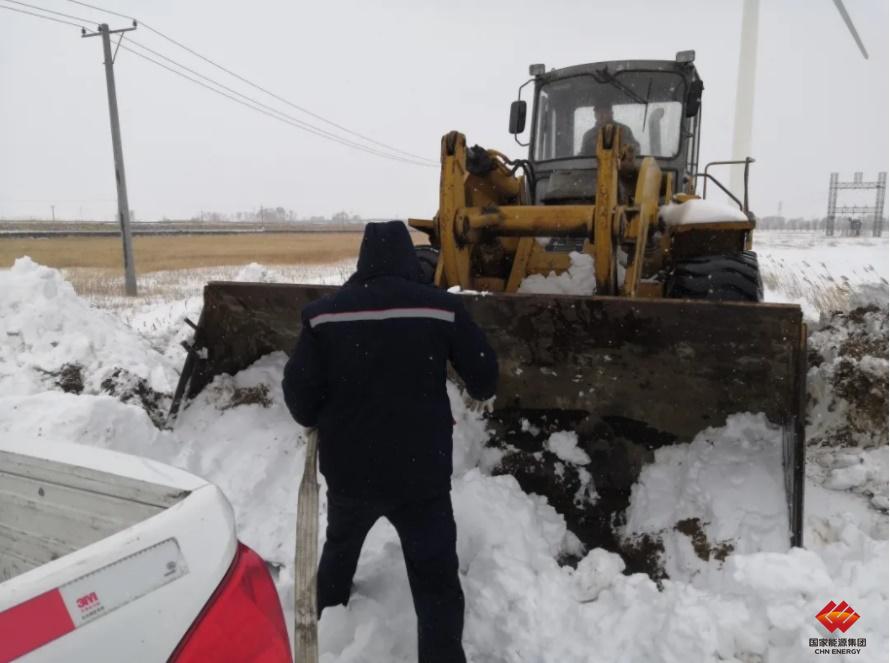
(822, 273)
(739, 605)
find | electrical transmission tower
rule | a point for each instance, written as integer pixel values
(877, 212)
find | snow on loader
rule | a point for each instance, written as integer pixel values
(675, 337)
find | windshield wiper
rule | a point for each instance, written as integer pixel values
(646, 110)
(605, 76)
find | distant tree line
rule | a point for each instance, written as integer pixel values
(273, 215)
(811, 224)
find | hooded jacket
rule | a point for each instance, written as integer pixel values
(369, 371)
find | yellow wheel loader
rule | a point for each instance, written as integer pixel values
(671, 338)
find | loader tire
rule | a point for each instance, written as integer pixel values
(734, 278)
(428, 258)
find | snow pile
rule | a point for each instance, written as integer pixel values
(256, 273)
(864, 295)
(698, 210)
(578, 279)
(52, 339)
(862, 472)
(163, 324)
(470, 434)
(238, 434)
(847, 379)
(522, 606)
(823, 274)
(98, 421)
(597, 571)
(565, 445)
(847, 426)
(722, 493)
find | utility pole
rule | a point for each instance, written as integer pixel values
(53, 207)
(123, 206)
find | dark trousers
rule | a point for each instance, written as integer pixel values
(429, 536)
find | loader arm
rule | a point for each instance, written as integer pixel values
(481, 210)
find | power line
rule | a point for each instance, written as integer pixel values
(290, 103)
(275, 114)
(264, 108)
(50, 11)
(46, 18)
(107, 11)
(8, 201)
(258, 87)
(278, 115)
(297, 122)
(248, 101)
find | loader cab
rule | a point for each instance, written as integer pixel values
(658, 102)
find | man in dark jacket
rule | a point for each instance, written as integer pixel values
(369, 372)
(604, 115)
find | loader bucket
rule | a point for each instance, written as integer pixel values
(647, 371)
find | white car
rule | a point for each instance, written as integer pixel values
(111, 557)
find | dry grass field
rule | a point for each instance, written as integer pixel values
(177, 266)
(172, 252)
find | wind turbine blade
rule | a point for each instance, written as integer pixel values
(844, 15)
(744, 97)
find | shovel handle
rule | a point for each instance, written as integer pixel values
(306, 560)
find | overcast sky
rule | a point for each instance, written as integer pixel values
(404, 73)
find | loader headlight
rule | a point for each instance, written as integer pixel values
(536, 69)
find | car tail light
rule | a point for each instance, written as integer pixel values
(242, 622)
